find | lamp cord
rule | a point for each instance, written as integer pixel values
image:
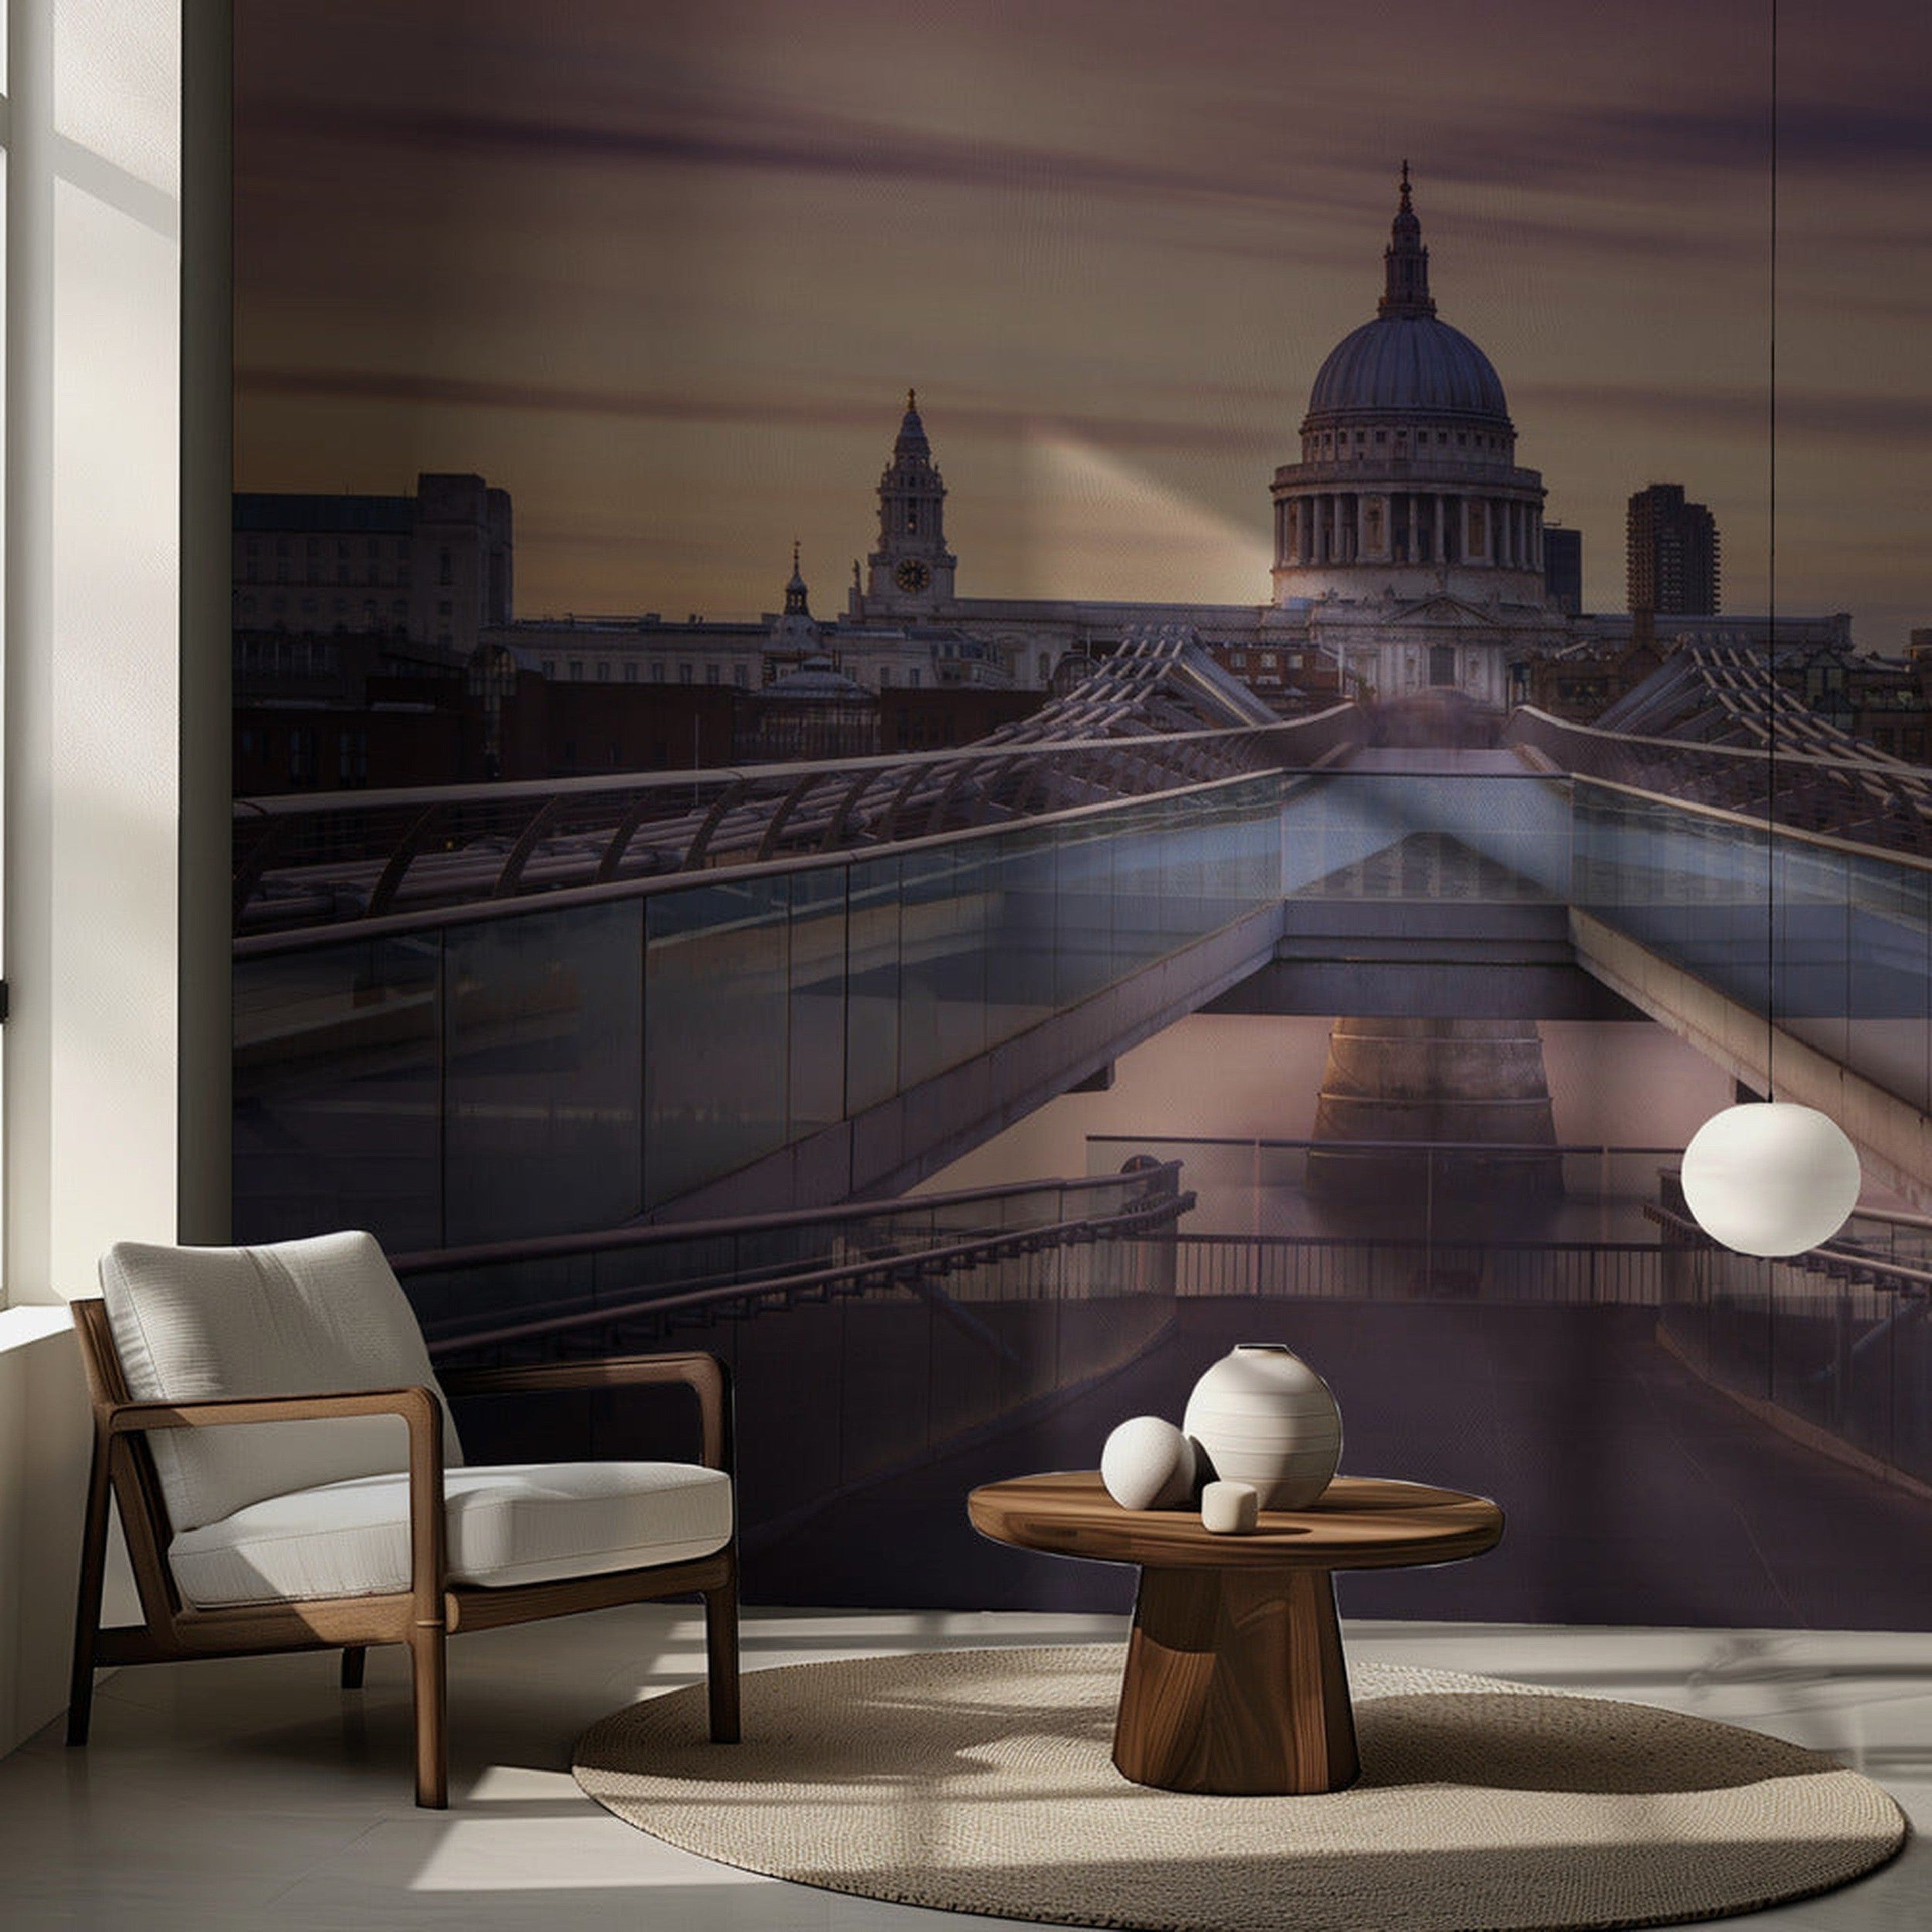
(1771, 640)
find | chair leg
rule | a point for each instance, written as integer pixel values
(354, 1657)
(429, 1691)
(87, 1609)
(721, 1649)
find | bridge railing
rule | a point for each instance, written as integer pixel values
(861, 1340)
(526, 1066)
(1363, 1268)
(312, 861)
(1888, 1235)
(1836, 1347)
(613, 1289)
(1446, 1194)
(1811, 785)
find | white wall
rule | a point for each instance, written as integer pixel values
(92, 744)
(43, 1451)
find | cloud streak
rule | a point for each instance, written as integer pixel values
(696, 129)
(1867, 417)
(684, 134)
(1741, 410)
(410, 388)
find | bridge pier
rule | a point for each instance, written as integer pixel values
(1472, 1091)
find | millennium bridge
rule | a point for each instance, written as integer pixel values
(608, 1061)
(492, 1012)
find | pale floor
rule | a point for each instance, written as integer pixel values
(253, 1793)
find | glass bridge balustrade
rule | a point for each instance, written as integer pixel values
(480, 1074)
(574, 1061)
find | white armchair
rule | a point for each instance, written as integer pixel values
(289, 1477)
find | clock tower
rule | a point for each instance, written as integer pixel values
(911, 573)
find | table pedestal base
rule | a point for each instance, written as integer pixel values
(1235, 1683)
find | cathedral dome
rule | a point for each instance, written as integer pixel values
(1406, 362)
(1407, 365)
(1408, 492)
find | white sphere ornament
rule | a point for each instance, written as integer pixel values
(1770, 1178)
(1147, 1464)
(1263, 1417)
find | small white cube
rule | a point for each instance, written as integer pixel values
(1230, 1509)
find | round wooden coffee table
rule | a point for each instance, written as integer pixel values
(1235, 1681)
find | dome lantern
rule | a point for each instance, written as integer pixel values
(1405, 262)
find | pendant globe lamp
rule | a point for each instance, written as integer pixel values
(1768, 1177)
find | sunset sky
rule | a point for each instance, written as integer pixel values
(665, 271)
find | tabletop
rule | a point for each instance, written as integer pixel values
(1358, 1523)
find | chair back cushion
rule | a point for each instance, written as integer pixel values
(313, 1317)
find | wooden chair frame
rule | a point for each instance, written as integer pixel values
(434, 1608)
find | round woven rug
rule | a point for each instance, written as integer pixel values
(980, 1781)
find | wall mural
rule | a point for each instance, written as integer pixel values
(1061, 621)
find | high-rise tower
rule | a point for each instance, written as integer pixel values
(1671, 554)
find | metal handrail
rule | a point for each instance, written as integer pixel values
(1888, 795)
(554, 831)
(604, 1240)
(300, 804)
(301, 938)
(1419, 1242)
(906, 1270)
(1295, 1267)
(1829, 1257)
(1378, 1147)
(1788, 834)
(1882, 764)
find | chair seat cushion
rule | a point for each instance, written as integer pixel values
(517, 1522)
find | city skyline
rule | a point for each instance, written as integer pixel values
(665, 275)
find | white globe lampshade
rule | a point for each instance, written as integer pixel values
(1770, 1178)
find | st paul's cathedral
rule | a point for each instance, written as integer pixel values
(1408, 542)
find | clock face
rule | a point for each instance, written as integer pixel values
(912, 575)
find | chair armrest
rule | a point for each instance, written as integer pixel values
(704, 1373)
(417, 1407)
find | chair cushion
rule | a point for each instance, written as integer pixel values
(299, 1318)
(517, 1522)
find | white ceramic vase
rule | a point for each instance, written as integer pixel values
(1262, 1416)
